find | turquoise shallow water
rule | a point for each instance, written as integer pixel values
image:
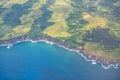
(41, 61)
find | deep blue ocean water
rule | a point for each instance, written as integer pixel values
(41, 61)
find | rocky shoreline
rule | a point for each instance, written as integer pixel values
(84, 52)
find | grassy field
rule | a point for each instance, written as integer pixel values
(9, 3)
(95, 22)
(95, 48)
(61, 11)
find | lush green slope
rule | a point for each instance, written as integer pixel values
(93, 24)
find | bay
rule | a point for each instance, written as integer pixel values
(42, 61)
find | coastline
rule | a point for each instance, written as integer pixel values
(106, 64)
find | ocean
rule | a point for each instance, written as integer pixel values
(42, 61)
